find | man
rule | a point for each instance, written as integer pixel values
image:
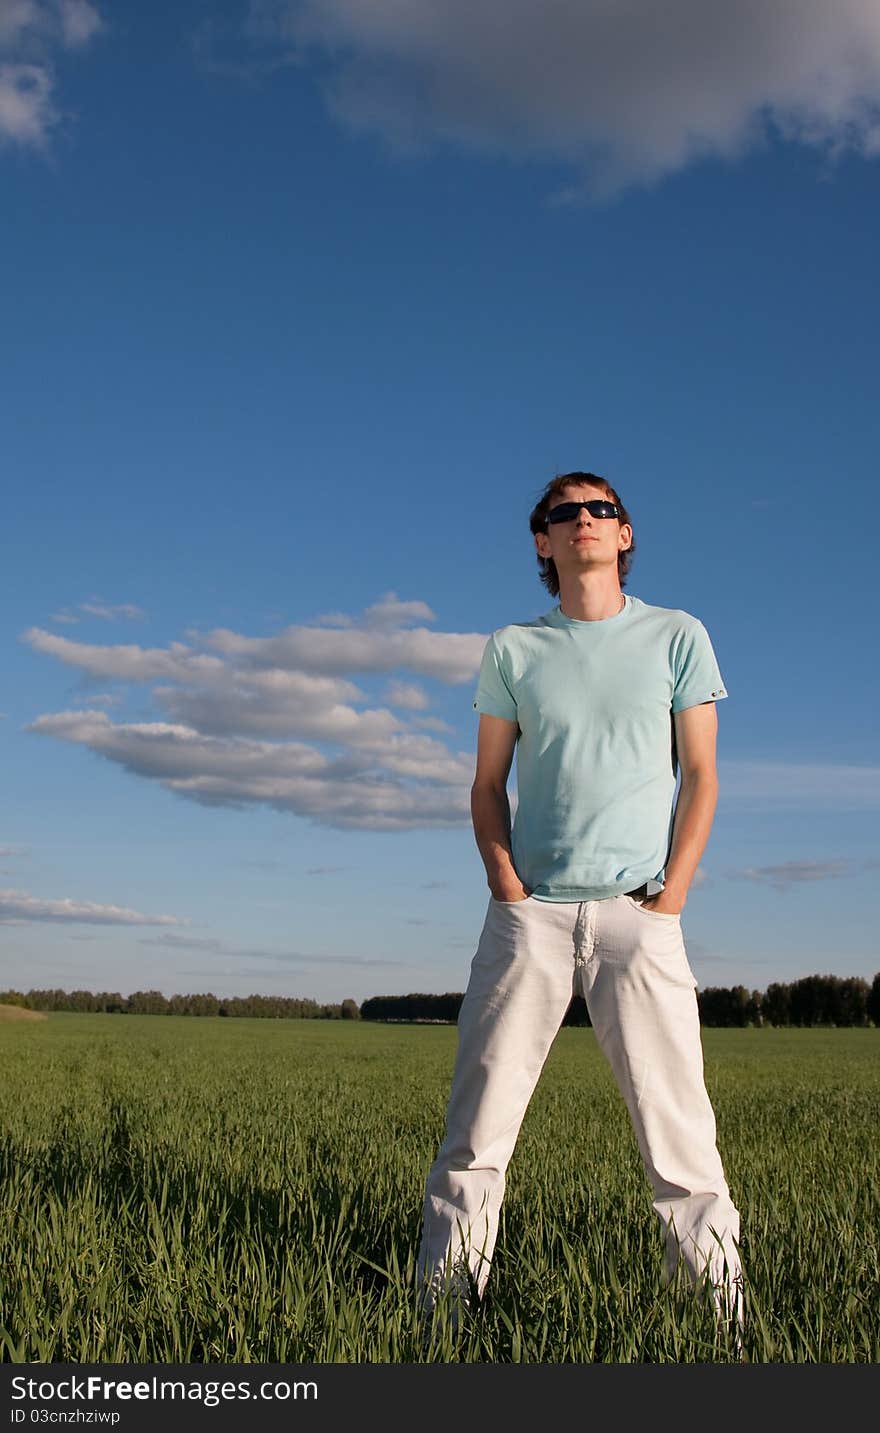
(603, 698)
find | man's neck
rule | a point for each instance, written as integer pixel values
(591, 603)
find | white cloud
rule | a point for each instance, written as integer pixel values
(432, 724)
(31, 32)
(18, 907)
(333, 619)
(389, 611)
(448, 656)
(104, 699)
(401, 782)
(274, 703)
(17, 18)
(622, 92)
(79, 22)
(128, 663)
(791, 873)
(97, 608)
(70, 23)
(26, 109)
(277, 720)
(370, 643)
(408, 695)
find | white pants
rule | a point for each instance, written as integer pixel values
(631, 967)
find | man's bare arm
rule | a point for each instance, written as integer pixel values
(696, 730)
(490, 807)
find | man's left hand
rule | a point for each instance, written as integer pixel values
(665, 903)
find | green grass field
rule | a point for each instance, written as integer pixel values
(209, 1190)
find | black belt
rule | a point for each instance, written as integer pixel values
(641, 894)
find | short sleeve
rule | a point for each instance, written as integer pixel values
(697, 678)
(493, 695)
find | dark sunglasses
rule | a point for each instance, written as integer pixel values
(596, 507)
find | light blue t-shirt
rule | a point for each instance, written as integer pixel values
(595, 755)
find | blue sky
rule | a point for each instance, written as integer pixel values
(303, 304)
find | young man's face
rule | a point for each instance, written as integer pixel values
(587, 543)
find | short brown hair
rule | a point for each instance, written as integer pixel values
(538, 523)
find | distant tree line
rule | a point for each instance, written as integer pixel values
(423, 1009)
(153, 1002)
(815, 1000)
(427, 1009)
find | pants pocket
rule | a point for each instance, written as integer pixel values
(652, 914)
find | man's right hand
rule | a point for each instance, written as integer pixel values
(511, 893)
